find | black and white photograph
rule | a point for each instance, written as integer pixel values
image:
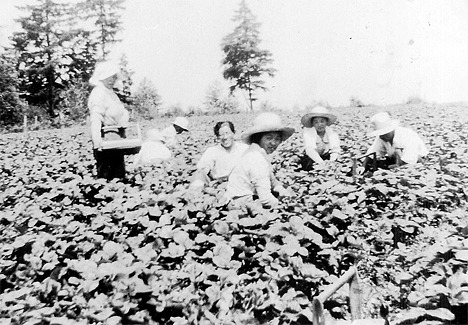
(244, 162)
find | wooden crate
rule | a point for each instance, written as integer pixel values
(125, 139)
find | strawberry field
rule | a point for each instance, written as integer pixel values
(80, 250)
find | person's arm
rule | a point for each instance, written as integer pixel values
(97, 109)
(204, 166)
(260, 178)
(169, 136)
(408, 153)
(376, 148)
(96, 125)
(335, 146)
(311, 147)
(398, 161)
(313, 154)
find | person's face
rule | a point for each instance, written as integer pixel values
(110, 81)
(270, 141)
(387, 137)
(319, 123)
(226, 136)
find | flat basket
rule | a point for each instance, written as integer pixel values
(127, 140)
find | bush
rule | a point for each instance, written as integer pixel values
(12, 106)
(174, 110)
(217, 103)
(74, 101)
(146, 102)
(413, 100)
(356, 102)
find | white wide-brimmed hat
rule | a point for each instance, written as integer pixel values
(181, 122)
(103, 71)
(154, 135)
(267, 122)
(382, 123)
(318, 111)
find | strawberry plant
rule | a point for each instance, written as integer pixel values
(80, 250)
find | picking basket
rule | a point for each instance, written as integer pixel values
(126, 140)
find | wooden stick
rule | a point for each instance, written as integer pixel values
(332, 288)
(355, 297)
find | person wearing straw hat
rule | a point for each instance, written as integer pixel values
(169, 134)
(218, 161)
(106, 109)
(320, 141)
(394, 145)
(153, 151)
(253, 175)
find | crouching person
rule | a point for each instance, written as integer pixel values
(320, 141)
(153, 150)
(218, 161)
(252, 177)
(394, 145)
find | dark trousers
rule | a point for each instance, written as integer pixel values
(307, 163)
(382, 163)
(110, 164)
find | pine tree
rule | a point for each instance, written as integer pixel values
(11, 106)
(147, 100)
(51, 52)
(106, 18)
(244, 62)
(127, 82)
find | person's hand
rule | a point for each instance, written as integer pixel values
(97, 144)
(282, 192)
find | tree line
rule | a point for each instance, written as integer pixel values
(46, 69)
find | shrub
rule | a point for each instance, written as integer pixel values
(146, 101)
(356, 102)
(74, 101)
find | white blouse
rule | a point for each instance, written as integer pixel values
(330, 143)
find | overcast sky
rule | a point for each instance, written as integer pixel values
(379, 51)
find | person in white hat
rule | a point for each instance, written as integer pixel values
(153, 151)
(320, 141)
(169, 134)
(106, 109)
(394, 145)
(253, 175)
(218, 161)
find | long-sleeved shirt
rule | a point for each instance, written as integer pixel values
(219, 162)
(152, 152)
(105, 109)
(253, 175)
(406, 142)
(169, 136)
(330, 143)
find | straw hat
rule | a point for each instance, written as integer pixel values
(181, 122)
(267, 122)
(154, 135)
(103, 71)
(383, 124)
(318, 111)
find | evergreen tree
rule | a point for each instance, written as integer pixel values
(106, 18)
(215, 102)
(146, 100)
(51, 52)
(244, 62)
(11, 106)
(125, 92)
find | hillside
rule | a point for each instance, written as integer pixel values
(77, 250)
